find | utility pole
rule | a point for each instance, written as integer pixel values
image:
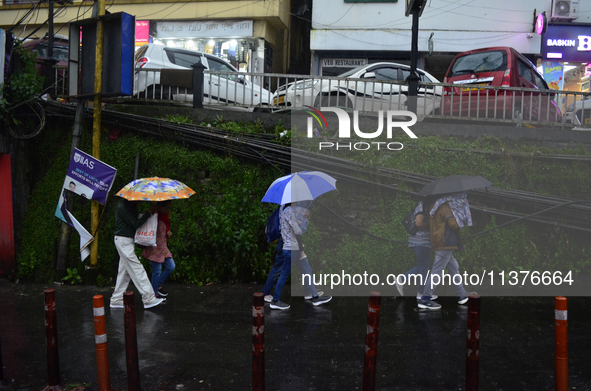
(96, 125)
(414, 7)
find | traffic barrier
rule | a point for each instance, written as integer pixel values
(561, 348)
(131, 355)
(100, 339)
(473, 343)
(258, 342)
(53, 363)
(371, 341)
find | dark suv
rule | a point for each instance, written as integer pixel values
(499, 67)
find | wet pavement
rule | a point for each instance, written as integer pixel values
(201, 339)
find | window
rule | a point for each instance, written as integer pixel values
(524, 70)
(183, 59)
(220, 66)
(371, 1)
(489, 61)
(540, 83)
(386, 73)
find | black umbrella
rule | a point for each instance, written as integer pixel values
(454, 184)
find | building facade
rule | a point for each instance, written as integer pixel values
(347, 33)
(253, 35)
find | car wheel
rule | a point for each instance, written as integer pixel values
(262, 109)
(333, 100)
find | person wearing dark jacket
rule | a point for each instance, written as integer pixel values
(130, 268)
(447, 215)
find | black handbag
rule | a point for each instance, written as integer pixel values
(409, 222)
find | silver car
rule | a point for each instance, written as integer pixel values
(225, 85)
(373, 87)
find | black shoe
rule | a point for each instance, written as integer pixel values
(159, 296)
(279, 305)
(162, 292)
(321, 300)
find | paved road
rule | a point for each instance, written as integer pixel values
(201, 340)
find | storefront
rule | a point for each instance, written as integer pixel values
(231, 40)
(566, 57)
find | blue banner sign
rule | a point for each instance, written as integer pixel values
(567, 43)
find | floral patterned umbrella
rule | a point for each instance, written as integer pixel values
(155, 189)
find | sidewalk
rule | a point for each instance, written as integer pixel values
(201, 339)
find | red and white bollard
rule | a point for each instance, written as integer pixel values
(258, 342)
(100, 339)
(371, 341)
(131, 355)
(473, 343)
(53, 362)
(561, 348)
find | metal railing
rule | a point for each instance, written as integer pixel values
(279, 92)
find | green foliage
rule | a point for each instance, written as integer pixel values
(73, 277)
(23, 85)
(218, 234)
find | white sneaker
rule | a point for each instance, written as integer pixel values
(309, 297)
(433, 297)
(116, 304)
(268, 298)
(153, 303)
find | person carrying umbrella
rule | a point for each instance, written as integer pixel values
(160, 255)
(287, 191)
(126, 223)
(130, 268)
(290, 228)
(447, 215)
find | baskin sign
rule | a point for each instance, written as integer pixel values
(567, 43)
(394, 119)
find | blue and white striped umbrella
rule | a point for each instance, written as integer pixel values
(299, 186)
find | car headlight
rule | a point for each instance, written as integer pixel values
(302, 85)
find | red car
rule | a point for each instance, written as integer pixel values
(486, 79)
(60, 53)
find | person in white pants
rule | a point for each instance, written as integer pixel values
(130, 268)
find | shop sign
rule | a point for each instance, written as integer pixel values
(344, 62)
(142, 32)
(198, 29)
(567, 43)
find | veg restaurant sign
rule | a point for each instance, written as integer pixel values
(567, 43)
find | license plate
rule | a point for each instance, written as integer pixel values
(472, 87)
(279, 100)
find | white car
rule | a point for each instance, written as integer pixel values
(579, 112)
(230, 88)
(370, 87)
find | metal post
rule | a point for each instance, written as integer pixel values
(413, 79)
(100, 339)
(473, 343)
(371, 341)
(53, 364)
(198, 85)
(133, 365)
(1, 363)
(96, 126)
(258, 342)
(561, 348)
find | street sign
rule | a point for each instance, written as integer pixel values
(414, 5)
